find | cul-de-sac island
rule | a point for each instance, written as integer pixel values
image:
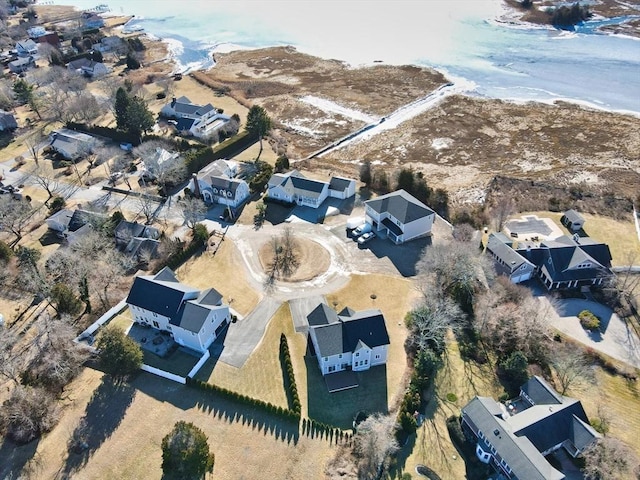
(290, 267)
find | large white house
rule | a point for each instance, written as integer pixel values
(215, 184)
(194, 318)
(348, 340)
(293, 187)
(399, 216)
(198, 120)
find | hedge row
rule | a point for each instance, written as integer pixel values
(329, 430)
(290, 383)
(108, 132)
(202, 156)
(285, 413)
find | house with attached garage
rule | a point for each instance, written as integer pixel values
(71, 144)
(348, 340)
(194, 318)
(514, 438)
(294, 188)
(399, 216)
(508, 261)
(215, 184)
(7, 121)
(198, 120)
(88, 68)
(22, 64)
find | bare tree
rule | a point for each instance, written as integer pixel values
(149, 208)
(44, 177)
(610, 459)
(11, 362)
(501, 211)
(193, 211)
(289, 256)
(14, 216)
(430, 321)
(374, 442)
(28, 413)
(463, 232)
(571, 367)
(7, 95)
(161, 165)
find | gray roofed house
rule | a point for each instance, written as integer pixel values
(73, 224)
(26, 47)
(88, 67)
(508, 261)
(515, 438)
(194, 319)
(71, 144)
(572, 220)
(137, 240)
(349, 340)
(399, 216)
(22, 64)
(199, 120)
(7, 121)
(294, 188)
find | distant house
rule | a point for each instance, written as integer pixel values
(162, 160)
(22, 64)
(293, 187)
(572, 220)
(88, 68)
(71, 144)
(514, 438)
(71, 225)
(194, 318)
(51, 38)
(399, 216)
(35, 32)
(508, 261)
(198, 120)
(91, 21)
(7, 121)
(567, 262)
(348, 340)
(26, 48)
(136, 240)
(112, 43)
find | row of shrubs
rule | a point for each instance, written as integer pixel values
(109, 132)
(200, 157)
(200, 237)
(330, 431)
(290, 379)
(284, 413)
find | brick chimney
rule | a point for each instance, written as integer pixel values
(196, 186)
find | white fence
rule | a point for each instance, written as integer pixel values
(198, 365)
(112, 312)
(163, 374)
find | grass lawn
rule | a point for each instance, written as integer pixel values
(621, 236)
(225, 273)
(122, 321)
(178, 362)
(432, 446)
(261, 376)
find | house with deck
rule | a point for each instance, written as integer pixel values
(71, 225)
(192, 119)
(399, 216)
(215, 183)
(348, 340)
(22, 64)
(514, 438)
(26, 48)
(194, 318)
(294, 188)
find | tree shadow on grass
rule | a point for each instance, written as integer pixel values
(15, 459)
(104, 412)
(185, 398)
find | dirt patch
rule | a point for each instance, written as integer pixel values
(313, 260)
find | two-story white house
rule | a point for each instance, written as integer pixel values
(399, 216)
(198, 120)
(25, 48)
(348, 340)
(215, 183)
(293, 187)
(194, 318)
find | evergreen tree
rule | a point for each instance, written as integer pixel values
(406, 180)
(119, 354)
(138, 117)
(258, 124)
(365, 173)
(185, 453)
(120, 109)
(23, 91)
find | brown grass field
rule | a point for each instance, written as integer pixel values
(206, 271)
(312, 258)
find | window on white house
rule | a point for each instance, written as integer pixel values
(357, 354)
(326, 359)
(155, 314)
(340, 356)
(366, 361)
(377, 357)
(155, 324)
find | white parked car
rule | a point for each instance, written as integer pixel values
(365, 237)
(354, 222)
(364, 228)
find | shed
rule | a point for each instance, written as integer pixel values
(572, 220)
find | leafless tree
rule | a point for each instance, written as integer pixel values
(610, 459)
(571, 367)
(149, 208)
(34, 143)
(44, 176)
(430, 321)
(15, 215)
(83, 108)
(193, 211)
(28, 413)
(374, 442)
(11, 362)
(7, 96)
(463, 232)
(165, 171)
(501, 211)
(289, 256)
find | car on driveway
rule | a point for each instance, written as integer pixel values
(364, 228)
(366, 237)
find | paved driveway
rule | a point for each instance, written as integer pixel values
(300, 308)
(615, 340)
(243, 336)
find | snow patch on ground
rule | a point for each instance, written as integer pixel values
(441, 143)
(585, 177)
(302, 129)
(331, 107)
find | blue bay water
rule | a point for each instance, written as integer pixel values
(456, 36)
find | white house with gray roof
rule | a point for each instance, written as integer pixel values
(399, 216)
(293, 187)
(194, 318)
(71, 144)
(348, 340)
(515, 437)
(198, 120)
(215, 183)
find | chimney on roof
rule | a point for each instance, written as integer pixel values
(576, 238)
(173, 102)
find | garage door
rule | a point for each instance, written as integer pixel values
(521, 278)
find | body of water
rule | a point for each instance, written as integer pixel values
(459, 37)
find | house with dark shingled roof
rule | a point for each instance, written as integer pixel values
(194, 318)
(293, 187)
(348, 340)
(515, 438)
(399, 216)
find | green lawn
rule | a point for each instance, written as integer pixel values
(122, 321)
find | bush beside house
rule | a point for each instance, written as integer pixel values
(589, 321)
